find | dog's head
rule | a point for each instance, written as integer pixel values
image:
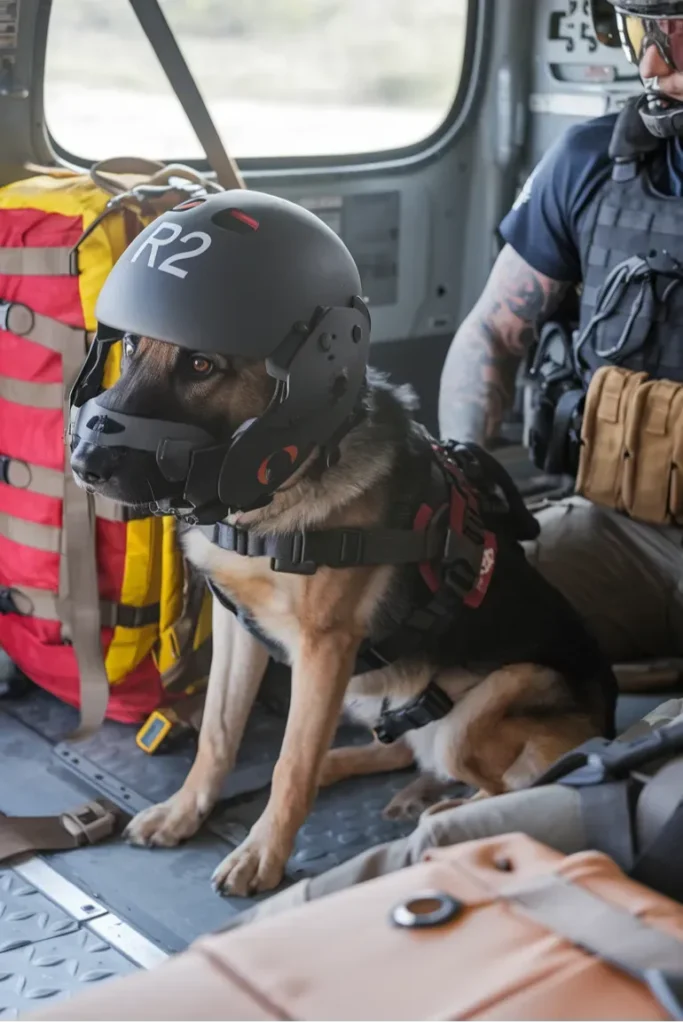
(163, 381)
(239, 305)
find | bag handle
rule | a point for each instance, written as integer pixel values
(113, 174)
(174, 65)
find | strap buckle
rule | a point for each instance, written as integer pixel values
(4, 459)
(91, 822)
(296, 560)
(429, 706)
(351, 548)
(5, 308)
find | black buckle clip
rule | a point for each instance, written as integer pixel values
(429, 706)
(350, 549)
(4, 468)
(461, 576)
(296, 562)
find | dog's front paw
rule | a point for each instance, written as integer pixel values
(166, 824)
(253, 867)
(406, 806)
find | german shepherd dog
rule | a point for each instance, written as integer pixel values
(526, 680)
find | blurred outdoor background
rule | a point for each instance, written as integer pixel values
(281, 77)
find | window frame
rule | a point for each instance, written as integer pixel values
(477, 29)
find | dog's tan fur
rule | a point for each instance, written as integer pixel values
(320, 621)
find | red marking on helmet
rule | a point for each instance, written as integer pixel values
(263, 475)
(245, 218)
(189, 204)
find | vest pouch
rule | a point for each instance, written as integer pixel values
(655, 409)
(676, 491)
(603, 435)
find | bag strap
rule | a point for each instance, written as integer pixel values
(609, 932)
(119, 175)
(106, 174)
(659, 828)
(169, 55)
(85, 825)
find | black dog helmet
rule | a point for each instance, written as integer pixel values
(242, 274)
(635, 25)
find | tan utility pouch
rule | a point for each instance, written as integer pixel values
(632, 445)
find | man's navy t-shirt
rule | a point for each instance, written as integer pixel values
(543, 225)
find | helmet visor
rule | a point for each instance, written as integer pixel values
(637, 34)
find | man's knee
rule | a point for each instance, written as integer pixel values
(608, 568)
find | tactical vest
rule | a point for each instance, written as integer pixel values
(631, 247)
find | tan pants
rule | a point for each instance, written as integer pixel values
(551, 814)
(624, 577)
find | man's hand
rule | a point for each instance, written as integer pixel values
(478, 379)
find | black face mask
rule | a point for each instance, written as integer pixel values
(320, 380)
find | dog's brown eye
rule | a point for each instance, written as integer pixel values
(201, 366)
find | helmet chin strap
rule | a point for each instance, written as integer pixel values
(661, 115)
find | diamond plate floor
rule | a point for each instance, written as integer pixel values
(46, 954)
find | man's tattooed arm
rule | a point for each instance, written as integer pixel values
(478, 380)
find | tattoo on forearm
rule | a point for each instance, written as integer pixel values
(478, 382)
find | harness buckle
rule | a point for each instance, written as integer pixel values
(350, 549)
(429, 706)
(296, 561)
(5, 461)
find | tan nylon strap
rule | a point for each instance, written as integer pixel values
(33, 535)
(44, 604)
(87, 824)
(78, 585)
(27, 392)
(38, 262)
(19, 319)
(121, 165)
(602, 928)
(26, 476)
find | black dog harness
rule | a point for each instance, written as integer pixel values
(452, 539)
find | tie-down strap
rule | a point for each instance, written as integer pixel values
(608, 931)
(84, 826)
(44, 604)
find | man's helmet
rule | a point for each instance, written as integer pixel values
(240, 274)
(634, 25)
